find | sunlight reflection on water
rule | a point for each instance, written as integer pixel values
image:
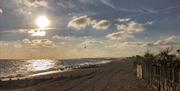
(21, 68)
(41, 64)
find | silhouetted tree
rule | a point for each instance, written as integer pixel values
(164, 55)
(149, 56)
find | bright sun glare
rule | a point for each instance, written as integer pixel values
(38, 65)
(42, 22)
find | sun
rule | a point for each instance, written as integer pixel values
(42, 22)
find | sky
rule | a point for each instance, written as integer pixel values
(87, 28)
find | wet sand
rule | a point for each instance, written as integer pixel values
(114, 76)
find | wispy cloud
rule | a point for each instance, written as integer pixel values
(3, 44)
(38, 42)
(172, 40)
(26, 41)
(101, 25)
(1, 11)
(127, 29)
(108, 3)
(158, 11)
(18, 46)
(42, 42)
(131, 26)
(121, 35)
(83, 22)
(80, 22)
(41, 3)
(123, 19)
(169, 41)
(25, 6)
(90, 42)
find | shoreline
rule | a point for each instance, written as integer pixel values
(113, 76)
(53, 71)
(48, 75)
(44, 74)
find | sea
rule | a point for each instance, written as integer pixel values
(10, 68)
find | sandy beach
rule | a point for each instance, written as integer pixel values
(114, 76)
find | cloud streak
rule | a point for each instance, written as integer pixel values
(38, 42)
(169, 41)
(121, 35)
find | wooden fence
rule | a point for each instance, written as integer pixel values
(163, 76)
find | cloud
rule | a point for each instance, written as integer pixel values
(39, 33)
(146, 44)
(79, 22)
(89, 42)
(34, 32)
(149, 23)
(123, 19)
(126, 44)
(108, 3)
(74, 41)
(18, 46)
(83, 22)
(39, 3)
(172, 40)
(178, 16)
(24, 6)
(126, 29)
(169, 41)
(56, 37)
(42, 42)
(46, 42)
(134, 44)
(1, 11)
(38, 42)
(26, 41)
(34, 3)
(101, 25)
(111, 4)
(87, 1)
(126, 24)
(3, 43)
(121, 35)
(131, 26)
(64, 38)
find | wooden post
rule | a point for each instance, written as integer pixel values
(173, 79)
